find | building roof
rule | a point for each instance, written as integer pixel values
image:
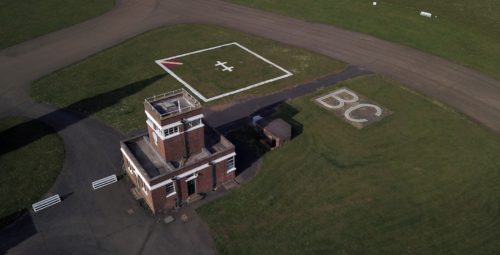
(147, 157)
(172, 103)
(277, 127)
(154, 166)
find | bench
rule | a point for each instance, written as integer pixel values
(38, 206)
(104, 182)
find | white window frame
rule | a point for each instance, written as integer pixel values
(161, 130)
(141, 183)
(223, 158)
(192, 177)
(171, 131)
(232, 161)
(192, 171)
(173, 187)
(190, 125)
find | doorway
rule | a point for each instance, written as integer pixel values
(191, 187)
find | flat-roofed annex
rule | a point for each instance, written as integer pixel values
(152, 166)
(171, 103)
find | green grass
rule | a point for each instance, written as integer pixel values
(113, 84)
(421, 181)
(22, 20)
(200, 72)
(466, 32)
(28, 172)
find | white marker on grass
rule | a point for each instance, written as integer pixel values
(426, 14)
(224, 67)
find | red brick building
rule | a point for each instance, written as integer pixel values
(180, 157)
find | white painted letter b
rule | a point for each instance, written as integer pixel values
(337, 97)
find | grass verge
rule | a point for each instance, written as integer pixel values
(28, 172)
(421, 181)
(113, 84)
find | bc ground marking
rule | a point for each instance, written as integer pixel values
(202, 97)
(345, 103)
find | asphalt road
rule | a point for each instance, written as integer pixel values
(99, 222)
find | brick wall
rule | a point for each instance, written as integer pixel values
(146, 194)
(171, 149)
(204, 180)
(196, 140)
(161, 201)
(174, 148)
(157, 199)
(221, 172)
(160, 148)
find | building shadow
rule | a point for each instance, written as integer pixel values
(248, 148)
(247, 140)
(27, 132)
(287, 112)
(19, 226)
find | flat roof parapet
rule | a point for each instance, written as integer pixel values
(171, 103)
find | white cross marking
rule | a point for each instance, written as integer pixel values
(224, 67)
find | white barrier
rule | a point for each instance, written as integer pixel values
(104, 182)
(426, 14)
(38, 206)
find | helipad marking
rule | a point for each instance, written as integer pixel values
(224, 67)
(172, 63)
(199, 95)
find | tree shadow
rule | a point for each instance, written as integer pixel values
(25, 133)
(21, 228)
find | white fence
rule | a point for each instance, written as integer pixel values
(38, 206)
(104, 182)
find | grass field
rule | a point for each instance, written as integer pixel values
(466, 32)
(199, 70)
(25, 19)
(27, 173)
(421, 181)
(113, 84)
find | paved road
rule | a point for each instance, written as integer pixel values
(99, 222)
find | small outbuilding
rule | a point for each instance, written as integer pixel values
(276, 132)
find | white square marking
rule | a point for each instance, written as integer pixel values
(199, 95)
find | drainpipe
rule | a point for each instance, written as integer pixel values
(187, 153)
(214, 177)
